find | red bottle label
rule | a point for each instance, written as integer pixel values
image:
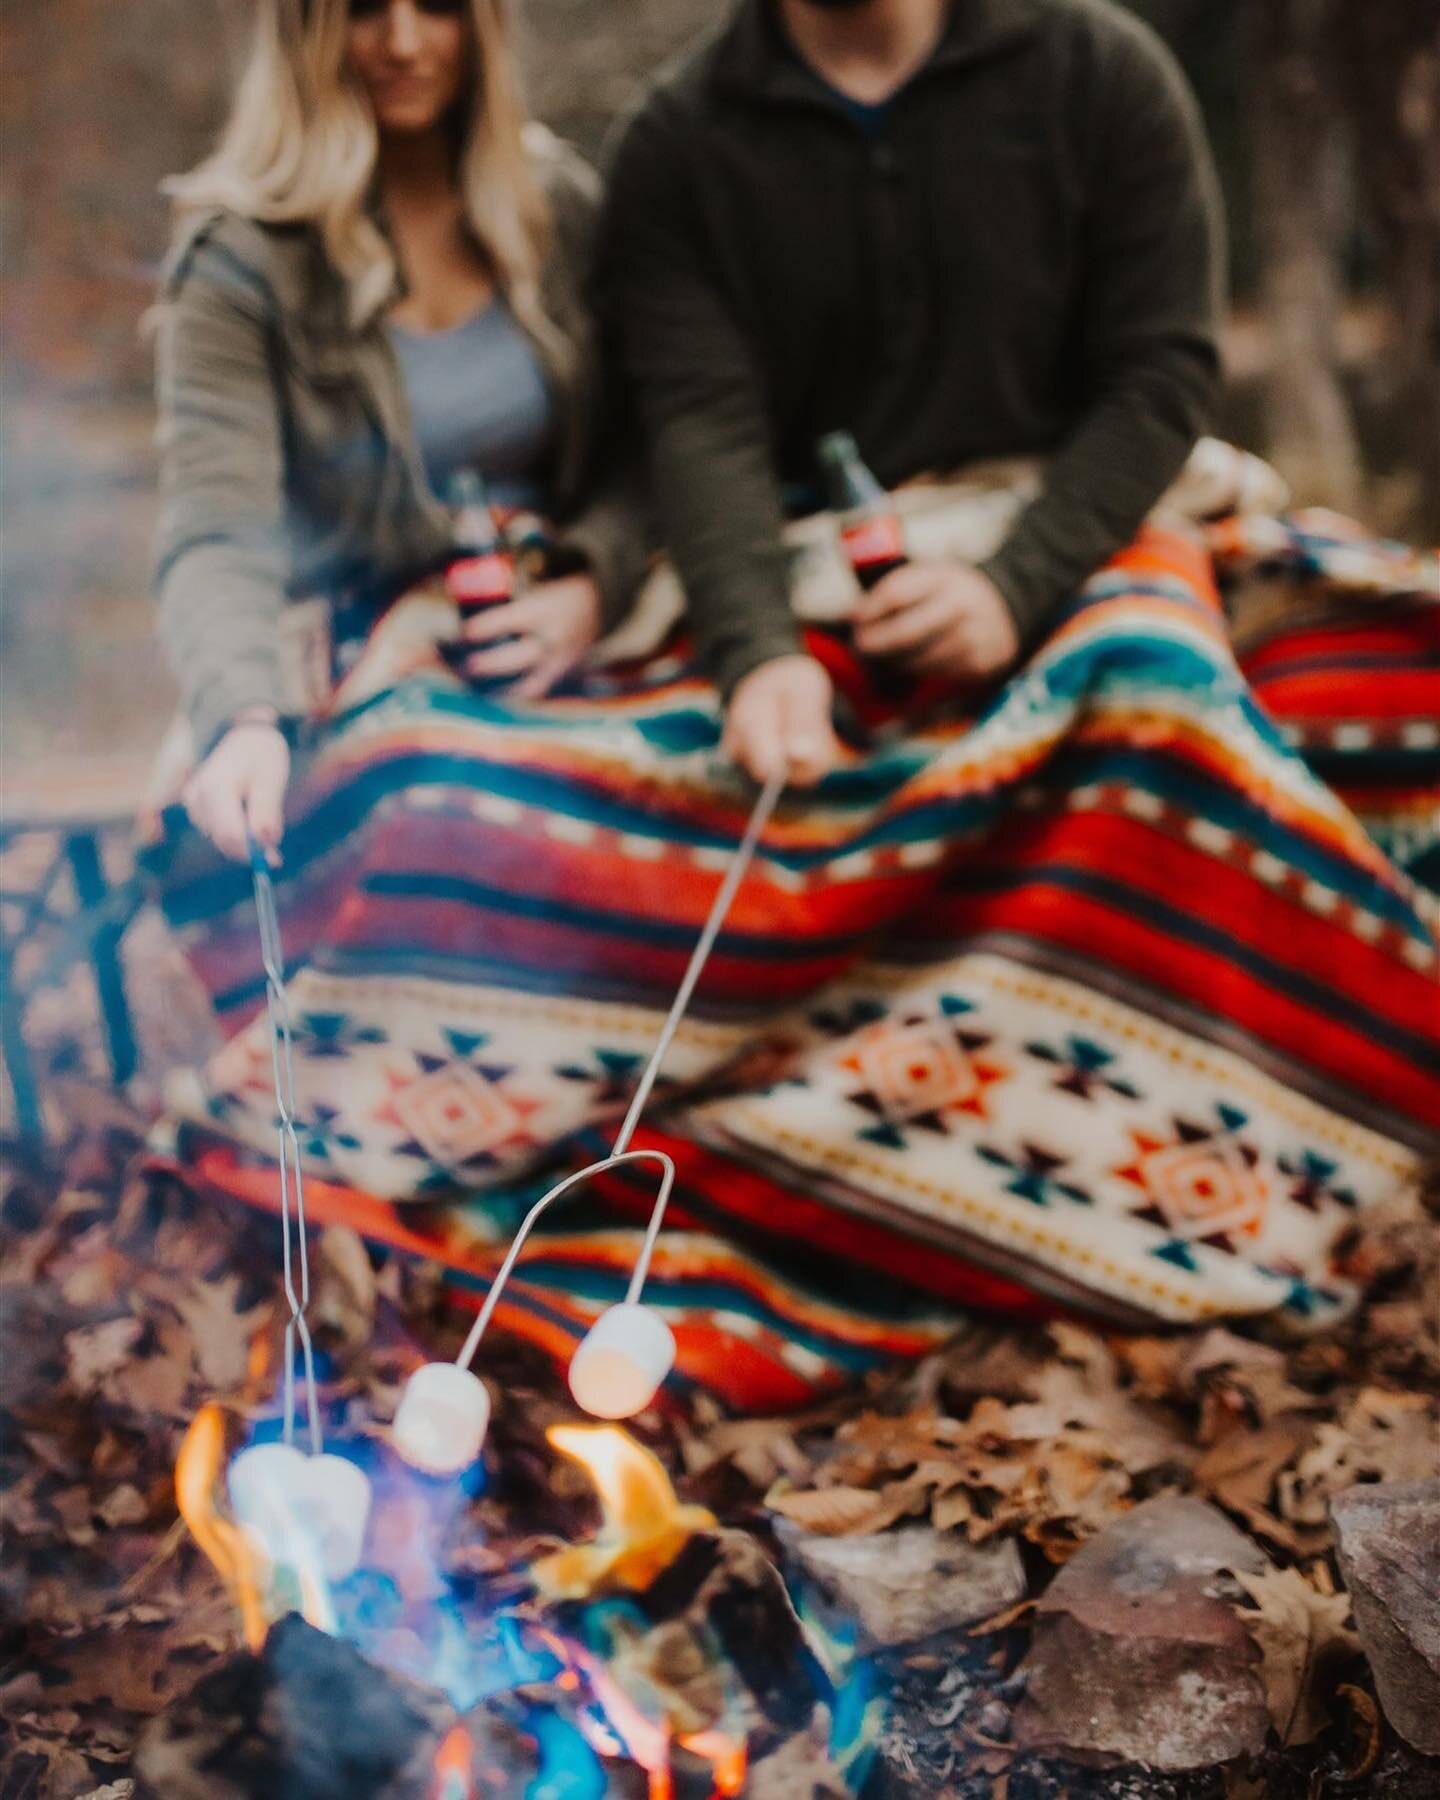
(874, 540)
(475, 581)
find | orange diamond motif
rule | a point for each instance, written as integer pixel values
(920, 1068)
(455, 1114)
(1200, 1188)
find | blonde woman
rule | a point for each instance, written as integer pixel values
(377, 281)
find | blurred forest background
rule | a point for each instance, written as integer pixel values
(1326, 119)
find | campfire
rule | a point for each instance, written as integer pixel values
(618, 1650)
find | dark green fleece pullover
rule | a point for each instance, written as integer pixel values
(1022, 256)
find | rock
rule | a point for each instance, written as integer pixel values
(1138, 1654)
(909, 1584)
(1388, 1537)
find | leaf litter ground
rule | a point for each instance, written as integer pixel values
(125, 1304)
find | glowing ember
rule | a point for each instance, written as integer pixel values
(452, 1766)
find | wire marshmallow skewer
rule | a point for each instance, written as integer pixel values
(310, 1511)
(628, 1351)
(292, 1178)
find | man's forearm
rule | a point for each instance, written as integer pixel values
(720, 514)
(1126, 451)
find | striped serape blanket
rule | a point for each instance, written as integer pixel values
(1112, 990)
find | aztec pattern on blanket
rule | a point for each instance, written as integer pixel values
(1091, 996)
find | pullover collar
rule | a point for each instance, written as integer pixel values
(754, 62)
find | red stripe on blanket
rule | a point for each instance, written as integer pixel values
(1099, 934)
(1342, 694)
(738, 1370)
(1222, 891)
(740, 1192)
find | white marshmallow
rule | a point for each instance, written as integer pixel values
(621, 1361)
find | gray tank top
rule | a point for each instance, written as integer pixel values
(478, 400)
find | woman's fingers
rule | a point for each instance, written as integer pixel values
(510, 619)
(194, 799)
(546, 675)
(239, 790)
(753, 740)
(810, 746)
(506, 659)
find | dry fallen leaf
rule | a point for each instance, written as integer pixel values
(1381, 1436)
(123, 1505)
(1154, 1365)
(1240, 1467)
(221, 1335)
(837, 1511)
(1302, 1639)
(345, 1287)
(94, 1351)
(157, 1385)
(1366, 1728)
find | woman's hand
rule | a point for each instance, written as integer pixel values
(242, 783)
(938, 618)
(779, 716)
(553, 624)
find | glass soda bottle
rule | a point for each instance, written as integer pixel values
(481, 571)
(870, 531)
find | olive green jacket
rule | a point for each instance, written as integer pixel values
(288, 462)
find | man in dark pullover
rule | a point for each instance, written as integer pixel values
(958, 229)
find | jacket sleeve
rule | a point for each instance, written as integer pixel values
(221, 559)
(701, 409)
(1148, 326)
(608, 529)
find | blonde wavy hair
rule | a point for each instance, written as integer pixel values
(301, 143)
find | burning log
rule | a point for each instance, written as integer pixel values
(305, 1716)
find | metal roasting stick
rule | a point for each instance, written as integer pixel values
(292, 1180)
(621, 1152)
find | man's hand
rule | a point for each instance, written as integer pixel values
(242, 782)
(779, 717)
(554, 623)
(938, 618)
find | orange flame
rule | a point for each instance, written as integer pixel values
(197, 1469)
(644, 1527)
(238, 1557)
(452, 1765)
(257, 1367)
(645, 1523)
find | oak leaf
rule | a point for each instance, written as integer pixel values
(837, 1511)
(1302, 1639)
